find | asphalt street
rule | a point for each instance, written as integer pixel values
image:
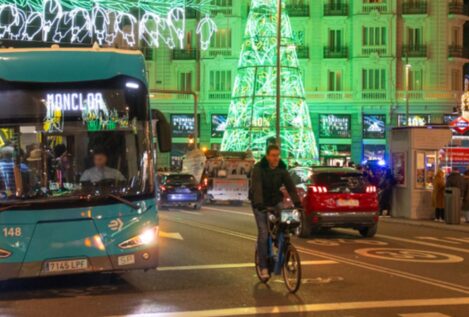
(206, 269)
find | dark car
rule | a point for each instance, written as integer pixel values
(181, 190)
(339, 197)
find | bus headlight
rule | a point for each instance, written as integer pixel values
(4, 254)
(147, 237)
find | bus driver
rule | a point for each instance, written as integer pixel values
(101, 171)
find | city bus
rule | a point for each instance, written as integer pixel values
(77, 152)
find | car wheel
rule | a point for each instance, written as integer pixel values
(304, 229)
(369, 232)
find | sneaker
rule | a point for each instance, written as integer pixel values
(265, 274)
(436, 220)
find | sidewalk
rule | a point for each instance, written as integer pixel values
(463, 227)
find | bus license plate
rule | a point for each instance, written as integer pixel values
(348, 203)
(67, 266)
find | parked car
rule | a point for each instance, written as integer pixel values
(180, 190)
(339, 197)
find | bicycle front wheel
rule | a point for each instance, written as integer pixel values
(292, 269)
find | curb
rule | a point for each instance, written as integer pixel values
(426, 224)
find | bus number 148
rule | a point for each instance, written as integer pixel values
(12, 232)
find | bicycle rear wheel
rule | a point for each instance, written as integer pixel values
(292, 269)
(258, 269)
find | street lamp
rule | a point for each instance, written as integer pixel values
(279, 69)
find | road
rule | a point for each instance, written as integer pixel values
(206, 269)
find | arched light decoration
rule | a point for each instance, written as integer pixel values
(105, 21)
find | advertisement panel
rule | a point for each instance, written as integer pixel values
(374, 126)
(218, 125)
(182, 125)
(335, 126)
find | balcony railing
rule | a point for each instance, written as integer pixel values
(415, 7)
(414, 51)
(227, 11)
(302, 52)
(335, 52)
(297, 10)
(214, 52)
(380, 50)
(189, 54)
(370, 7)
(456, 7)
(374, 95)
(458, 51)
(219, 95)
(336, 9)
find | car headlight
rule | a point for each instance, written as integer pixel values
(4, 254)
(147, 237)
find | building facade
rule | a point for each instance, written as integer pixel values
(363, 63)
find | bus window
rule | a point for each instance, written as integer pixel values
(69, 139)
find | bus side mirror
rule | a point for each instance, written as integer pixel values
(162, 131)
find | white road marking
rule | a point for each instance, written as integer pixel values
(428, 244)
(232, 266)
(364, 265)
(249, 214)
(196, 213)
(438, 240)
(463, 240)
(424, 315)
(409, 255)
(171, 235)
(242, 311)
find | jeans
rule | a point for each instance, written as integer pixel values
(440, 213)
(262, 237)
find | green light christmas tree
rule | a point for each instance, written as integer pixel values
(252, 113)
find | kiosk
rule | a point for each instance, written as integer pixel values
(415, 159)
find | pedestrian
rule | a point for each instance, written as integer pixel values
(386, 186)
(465, 202)
(438, 196)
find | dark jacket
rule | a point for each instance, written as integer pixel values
(456, 180)
(266, 183)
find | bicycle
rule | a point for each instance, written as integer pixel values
(283, 258)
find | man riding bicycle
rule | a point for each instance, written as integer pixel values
(268, 177)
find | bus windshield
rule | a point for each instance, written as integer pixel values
(60, 141)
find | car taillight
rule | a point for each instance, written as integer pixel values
(319, 189)
(371, 189)
(206, 181)
(162, 188)
(199, 187)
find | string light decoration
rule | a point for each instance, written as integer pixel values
(252, 113)
(104, 21)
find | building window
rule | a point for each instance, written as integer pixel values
(335, 40)
(374, 36)
(416, 79)
(220, 80)
(373, 79)
(414, 37)
(374, 1)
(334, 81)
(222, 39)
(456, 80)
(185, 81)
(222, 6)
(456, 36)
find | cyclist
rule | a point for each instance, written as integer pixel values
(268, 176)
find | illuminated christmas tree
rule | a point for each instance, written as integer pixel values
(252, 114)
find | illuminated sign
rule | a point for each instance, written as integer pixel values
(460, 125)
(106, 22)
(218, 125)
(335, 126)
(374, 126)
(414, 120)
(75, 102)
(183, 125)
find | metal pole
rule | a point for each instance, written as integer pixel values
(407, 73)
(279, 69)
(196, 106)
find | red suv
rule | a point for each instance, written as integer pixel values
(339, 197)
